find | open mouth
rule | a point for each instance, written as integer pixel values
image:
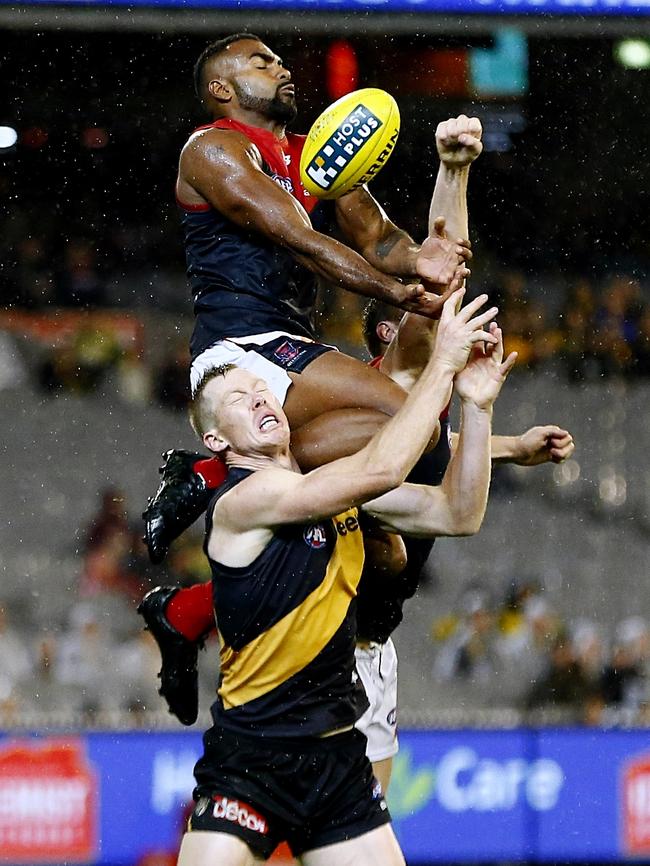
(268, 422)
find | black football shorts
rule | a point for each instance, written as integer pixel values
(308, 792)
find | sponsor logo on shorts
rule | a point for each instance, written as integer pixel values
(288, 352)
(348, 139)
(239, 813)
(315, 536)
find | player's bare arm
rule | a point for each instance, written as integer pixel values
(458, 505)
(458, 142)
(276, 496)
(546, 443)
(388, 248)
(221, 167)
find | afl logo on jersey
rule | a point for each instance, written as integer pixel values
(315, 536)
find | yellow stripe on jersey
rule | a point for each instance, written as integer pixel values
(295, 640)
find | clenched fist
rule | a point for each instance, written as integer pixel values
(458, 141)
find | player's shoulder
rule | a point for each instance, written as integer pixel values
(262, 485)
(250, 503)
(213, 141)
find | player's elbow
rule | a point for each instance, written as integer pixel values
(461, 519)
(466, 523)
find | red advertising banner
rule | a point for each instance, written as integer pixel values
(48, 802)
(636, 806)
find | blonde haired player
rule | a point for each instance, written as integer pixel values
(283, 760)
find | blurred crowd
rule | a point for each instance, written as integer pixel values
(84, 337)
(548, 666)
(98, 664)
(596, 331)
(98, 667)
(593, 328)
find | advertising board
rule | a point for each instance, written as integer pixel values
(542, 796)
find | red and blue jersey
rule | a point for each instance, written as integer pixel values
(243, 283)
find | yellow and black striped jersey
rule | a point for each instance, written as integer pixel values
(287, 626)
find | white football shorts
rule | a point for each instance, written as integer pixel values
(271, 356)
(377, 669)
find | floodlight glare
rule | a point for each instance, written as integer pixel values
(633, 53)
(8, 137)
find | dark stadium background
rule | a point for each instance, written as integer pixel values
(559, 197)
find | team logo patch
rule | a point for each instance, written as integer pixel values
(288, 352)
(315, 536)
(348, 139)
(239, 813)
(284, 182)
(391, 718)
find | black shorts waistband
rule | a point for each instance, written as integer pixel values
(285, 744)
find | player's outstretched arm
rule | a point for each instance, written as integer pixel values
(223, 168)
(458, 142)
(390, 249)
(458, 505)
(274, 497)
(541, 444)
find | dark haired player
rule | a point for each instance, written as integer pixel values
(180, 617)
(256, 243)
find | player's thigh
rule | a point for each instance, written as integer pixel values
(382, 770)
(337, 381)
(378, 847)
(201, 848)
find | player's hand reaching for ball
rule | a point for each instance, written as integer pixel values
(416, 299)
(458, 141)
(460, 329)
(439, 258)
(481, 380)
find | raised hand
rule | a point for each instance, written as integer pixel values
(439, 258)
(458, 141)
(416, 299)
(543, 444)
(460, 329)
(486, 371)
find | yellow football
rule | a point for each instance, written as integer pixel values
(349, 143)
